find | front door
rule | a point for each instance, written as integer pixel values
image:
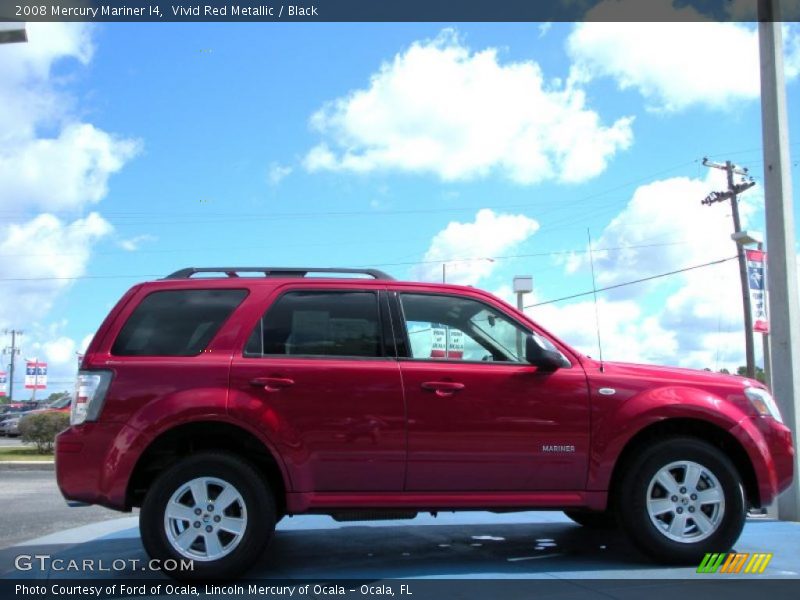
(479, 416)
(318, 378)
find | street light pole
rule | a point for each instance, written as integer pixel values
(784, 308)
(523, 284)
(13, 351)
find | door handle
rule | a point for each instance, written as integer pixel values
(443, 389)
(272, 384)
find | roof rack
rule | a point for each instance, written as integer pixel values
(275, 272)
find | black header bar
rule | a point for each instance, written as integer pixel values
(400, 10)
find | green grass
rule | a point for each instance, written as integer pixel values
(24, 453)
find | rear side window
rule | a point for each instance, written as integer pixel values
(319, 324)
(176, 322)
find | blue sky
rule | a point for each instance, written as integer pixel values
(131, 150)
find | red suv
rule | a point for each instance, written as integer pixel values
(220, 400)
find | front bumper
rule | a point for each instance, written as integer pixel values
(772, 454)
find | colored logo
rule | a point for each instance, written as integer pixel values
(734, 562)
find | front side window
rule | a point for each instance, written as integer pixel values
(176, 322)
(453, 328)
(323, 324)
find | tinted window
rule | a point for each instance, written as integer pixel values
(176, 323)
(453, 328)
(319, 324)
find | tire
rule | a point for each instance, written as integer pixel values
(661, 501)
(226, 543)
(593, 519)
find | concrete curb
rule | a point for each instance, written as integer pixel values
(27, 465)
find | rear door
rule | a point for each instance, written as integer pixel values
(319, 376)
(479, 416)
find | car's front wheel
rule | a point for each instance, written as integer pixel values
(211, 508)
(680, 499)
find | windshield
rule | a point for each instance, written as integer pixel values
(61, 402)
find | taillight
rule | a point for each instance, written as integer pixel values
(90, 393)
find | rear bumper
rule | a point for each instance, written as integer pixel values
(94, 462)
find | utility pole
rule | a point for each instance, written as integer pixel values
(734, 189)
(13, 351)
(784, 309)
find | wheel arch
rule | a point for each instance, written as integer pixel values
(696, 428)
(188, 438)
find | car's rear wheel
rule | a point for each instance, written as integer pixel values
(605, 519)
(211, 508)
(680, 499)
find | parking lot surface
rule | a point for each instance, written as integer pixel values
(461, 545)
(32, 506)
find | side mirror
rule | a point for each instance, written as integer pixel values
(546, 360)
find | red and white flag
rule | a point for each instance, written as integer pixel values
(35, 375)
(757, 283)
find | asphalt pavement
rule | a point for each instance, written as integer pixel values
(11, 442)
(31, 506)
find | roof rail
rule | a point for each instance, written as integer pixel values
(275, 272)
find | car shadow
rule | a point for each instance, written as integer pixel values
(376, 551)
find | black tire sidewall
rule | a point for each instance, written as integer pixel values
(258, 500)
(632, 502)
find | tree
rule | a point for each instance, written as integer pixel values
(759, 373)
(42, 428)
(58, 396)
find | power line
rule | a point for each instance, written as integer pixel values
(394, 264)
(643, 279)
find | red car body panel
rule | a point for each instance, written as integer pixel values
(350, 433)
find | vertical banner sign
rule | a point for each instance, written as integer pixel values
(35, 375)
(3, 383)
(756, 281)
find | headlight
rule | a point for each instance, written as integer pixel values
(763, 402)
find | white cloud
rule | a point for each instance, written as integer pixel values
(626, 333)
(134, 243)
(60, 352)
(664, 227)
(676, 65)
(490, 234)
(40, 254)
(443, 109)
(85, 343)
(69, 167)
(27, 93)
(65, 172)
(278, 173)
(692, 319)
(51, 161)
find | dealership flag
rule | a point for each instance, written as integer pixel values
(757, 282)
(35, 375)
(3, 380)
